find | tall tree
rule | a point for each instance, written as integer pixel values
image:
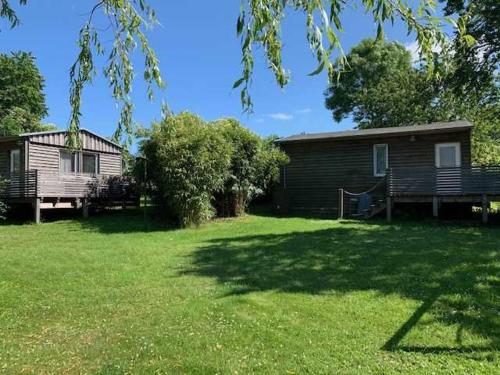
(259, 24)
(21, 85)
(22, 100)
(383, 88)
(477, 59)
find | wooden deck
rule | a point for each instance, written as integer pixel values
(54, 190)
(475, 185)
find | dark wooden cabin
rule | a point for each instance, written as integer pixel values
(41, 170)
(364, 172)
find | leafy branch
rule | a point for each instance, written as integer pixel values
(259, 24)
(128, 19)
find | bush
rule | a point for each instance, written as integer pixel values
(255, 166)
(188, 162)
(3, 205)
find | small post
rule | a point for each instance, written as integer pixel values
(388, 208)
(85, 208)
(124, 201)
(341, 204)
(435, 206)
(485, 207)
(36, 208)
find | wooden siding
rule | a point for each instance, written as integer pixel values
(52, 183)
(110, 164)
(90, 141)
(44, 158)
(55, 185)
(5, 148)
(317, 169)
(4, 160)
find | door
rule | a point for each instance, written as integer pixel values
(448, 172)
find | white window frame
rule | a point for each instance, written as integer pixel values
(375, 159)
(458, 153)
(11, 166)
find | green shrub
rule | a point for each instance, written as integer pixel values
(188, 162)
(3, 205)
(255, 166)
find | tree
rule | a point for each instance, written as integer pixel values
(384, 89)
(486, 136)
(477, 59)
(259, 24)
(187, 163)
(381, 88)
(254, 166)
(22, 100)
(18, 121)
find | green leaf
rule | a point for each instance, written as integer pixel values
(238, 83)
(318, 70)
(469, 39)
(380, 33)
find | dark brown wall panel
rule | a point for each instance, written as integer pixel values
(318, 169)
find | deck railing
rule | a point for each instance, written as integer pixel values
(444, 181)
(19, 185)
(39, 184)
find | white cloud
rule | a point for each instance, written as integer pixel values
(414, 49)
(304, 111)
(259, 120)
(281, 116)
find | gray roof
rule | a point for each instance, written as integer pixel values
(436, 127)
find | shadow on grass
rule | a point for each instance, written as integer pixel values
(124, 221)
(453, 271)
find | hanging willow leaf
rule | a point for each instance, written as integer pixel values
(318, 70)
(128, 20)
(259, 24)
(263, 20)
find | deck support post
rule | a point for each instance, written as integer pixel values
(388, 208)
(341, 204)
(85, 208)
(36, 209)
(485, 209)
(435, 206)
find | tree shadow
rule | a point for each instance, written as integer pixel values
(124, 221)
(453, 271)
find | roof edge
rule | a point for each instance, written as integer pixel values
(66, 131)
(436, 127)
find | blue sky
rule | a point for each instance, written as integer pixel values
(199, 57)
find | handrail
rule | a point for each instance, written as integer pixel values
(20, 185)
(373, 188)
(444, 181)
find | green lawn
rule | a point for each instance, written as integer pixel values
(253, 295)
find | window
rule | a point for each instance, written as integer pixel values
(380, 159)
(15, 161)
(67, 162)
(89, 162)
(77, 162)
(448, 155)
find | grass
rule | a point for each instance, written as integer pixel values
(253, 295)
(495, 206)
